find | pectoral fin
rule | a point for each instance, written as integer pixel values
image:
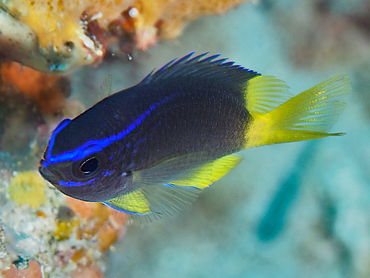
(173, 192)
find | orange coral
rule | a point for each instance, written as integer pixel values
(91, 271)
(33, 270)
(59, 21)
(57, 35)
(167, 18)
(107, 237)
(49, 91)
(68, 33)
(101, 223)
(28, 100)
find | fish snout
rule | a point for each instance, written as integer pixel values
(46, 173)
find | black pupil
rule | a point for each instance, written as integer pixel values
(89, 165)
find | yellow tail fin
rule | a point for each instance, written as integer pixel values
(306, 116)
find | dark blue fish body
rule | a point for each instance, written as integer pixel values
(151, 148)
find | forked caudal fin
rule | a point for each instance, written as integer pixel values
(306, 116)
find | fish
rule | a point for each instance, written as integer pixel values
(151, 149)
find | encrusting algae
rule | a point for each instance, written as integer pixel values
(31, 102)
(64, 229)
(167, 18)
(58, 22)
(98, 222)
(57, 35)
(53, 235)
(33, 270)
(49, 92)
(27, 188)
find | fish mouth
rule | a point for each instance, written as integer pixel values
(46, 173)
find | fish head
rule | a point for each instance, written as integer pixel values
(87, 170)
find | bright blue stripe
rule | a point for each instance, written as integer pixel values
(94, 146)
(75, 183)
(45, 164)
(61, 125)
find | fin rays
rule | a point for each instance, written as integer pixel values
(265, 93)
(202, 67)
(162, 193)
(320, 107)
(306, 116)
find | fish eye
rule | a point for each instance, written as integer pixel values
(89, 165)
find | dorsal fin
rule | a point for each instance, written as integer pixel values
(201, 67)
(106, 87)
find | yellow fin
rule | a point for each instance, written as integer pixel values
(174, 195)
(154, 201)
(186, 169)
(164, 196)
(133, 203)
(209, 173)
(306, 116)
(265, 93)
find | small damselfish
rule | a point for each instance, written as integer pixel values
(150, 150)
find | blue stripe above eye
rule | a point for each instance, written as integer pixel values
(94, 146)
(61, 126)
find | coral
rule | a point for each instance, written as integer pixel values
(85, 209)
(18, 42)
(91, 271)
(55, 21)
(64, 229)
(29, 100)
(65, 236)
(27, 188)
(32, 270)
(50, 234)
(48, 91)
(150, 20)
(100, 222)
(58, 35)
